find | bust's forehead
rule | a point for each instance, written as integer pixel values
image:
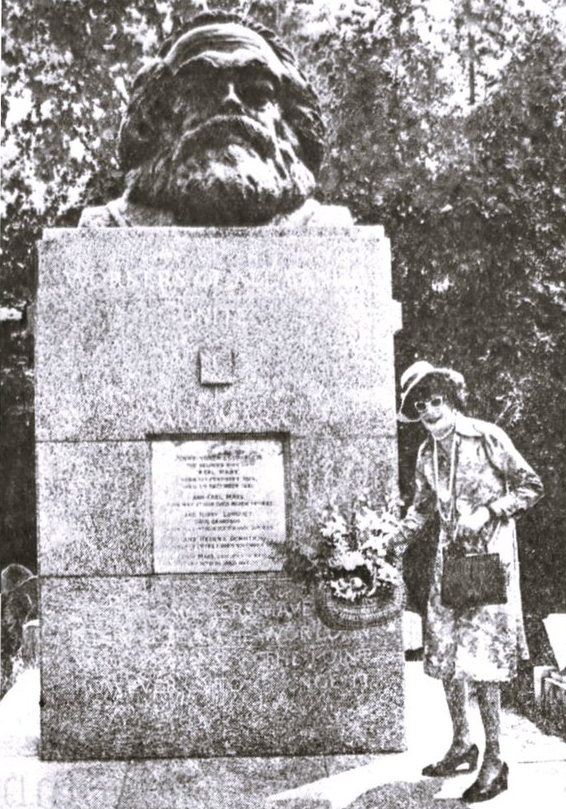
(224, 45)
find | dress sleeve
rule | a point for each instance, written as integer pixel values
(524, 487)
(419, 513)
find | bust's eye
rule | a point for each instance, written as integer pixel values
(195, 78)
(256, 92)
(188, 87)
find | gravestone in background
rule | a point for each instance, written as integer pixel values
(200, 395)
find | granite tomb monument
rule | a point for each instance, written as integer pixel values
(214, 359)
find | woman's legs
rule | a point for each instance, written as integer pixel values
(490, 709)
(456, 691)
(492, 777)
(461, 752)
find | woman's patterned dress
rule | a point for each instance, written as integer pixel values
(483, 643)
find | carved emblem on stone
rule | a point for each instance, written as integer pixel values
(217, 366)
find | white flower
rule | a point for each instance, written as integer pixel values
(379, 545)
(388, 573)
(77, 149)
(348, 560)
(360, 542)
(348, 589)
(335, 526)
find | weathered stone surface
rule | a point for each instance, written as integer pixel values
(125, 313)
(95, 498)
(227, 664)
(94, 508)
(323, 466)
(215, 783)
(138, 660)
(31, 784)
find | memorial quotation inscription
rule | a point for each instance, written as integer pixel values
(218, 504)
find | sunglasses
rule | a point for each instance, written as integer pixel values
(434, 401)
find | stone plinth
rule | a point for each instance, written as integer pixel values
(280, 342)
(224, 662)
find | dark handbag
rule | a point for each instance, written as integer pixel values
(472, 579)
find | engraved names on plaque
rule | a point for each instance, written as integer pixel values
(218, 504)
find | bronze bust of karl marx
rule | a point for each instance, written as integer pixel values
(221, 129)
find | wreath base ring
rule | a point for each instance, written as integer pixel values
(337, 613)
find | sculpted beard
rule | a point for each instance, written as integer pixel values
(230, 170)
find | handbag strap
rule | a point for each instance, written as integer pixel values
(493, 535)
(485, 539)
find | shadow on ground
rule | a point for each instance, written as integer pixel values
(405, 795)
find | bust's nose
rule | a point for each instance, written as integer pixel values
(229, 97)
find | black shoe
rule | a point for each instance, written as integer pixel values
(451, 763)
(484, 792)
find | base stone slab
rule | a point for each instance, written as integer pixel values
(230, 664)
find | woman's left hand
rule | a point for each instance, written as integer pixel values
(474, 522)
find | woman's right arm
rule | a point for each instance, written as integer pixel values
(418, 514)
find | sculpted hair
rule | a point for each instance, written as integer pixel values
(149, 107)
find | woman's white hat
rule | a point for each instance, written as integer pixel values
(415, 374)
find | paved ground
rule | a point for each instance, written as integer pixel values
(393, 781)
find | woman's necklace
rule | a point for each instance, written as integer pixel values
(445, 516)
(446, 434)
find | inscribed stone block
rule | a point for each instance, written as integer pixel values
(149, 336)
(124, 315)
(218, 504)
(223, 664)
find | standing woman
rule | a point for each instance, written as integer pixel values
(471, 475)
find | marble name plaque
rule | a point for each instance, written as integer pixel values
(218, 504)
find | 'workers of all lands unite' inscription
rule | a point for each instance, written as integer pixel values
(218, 504)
